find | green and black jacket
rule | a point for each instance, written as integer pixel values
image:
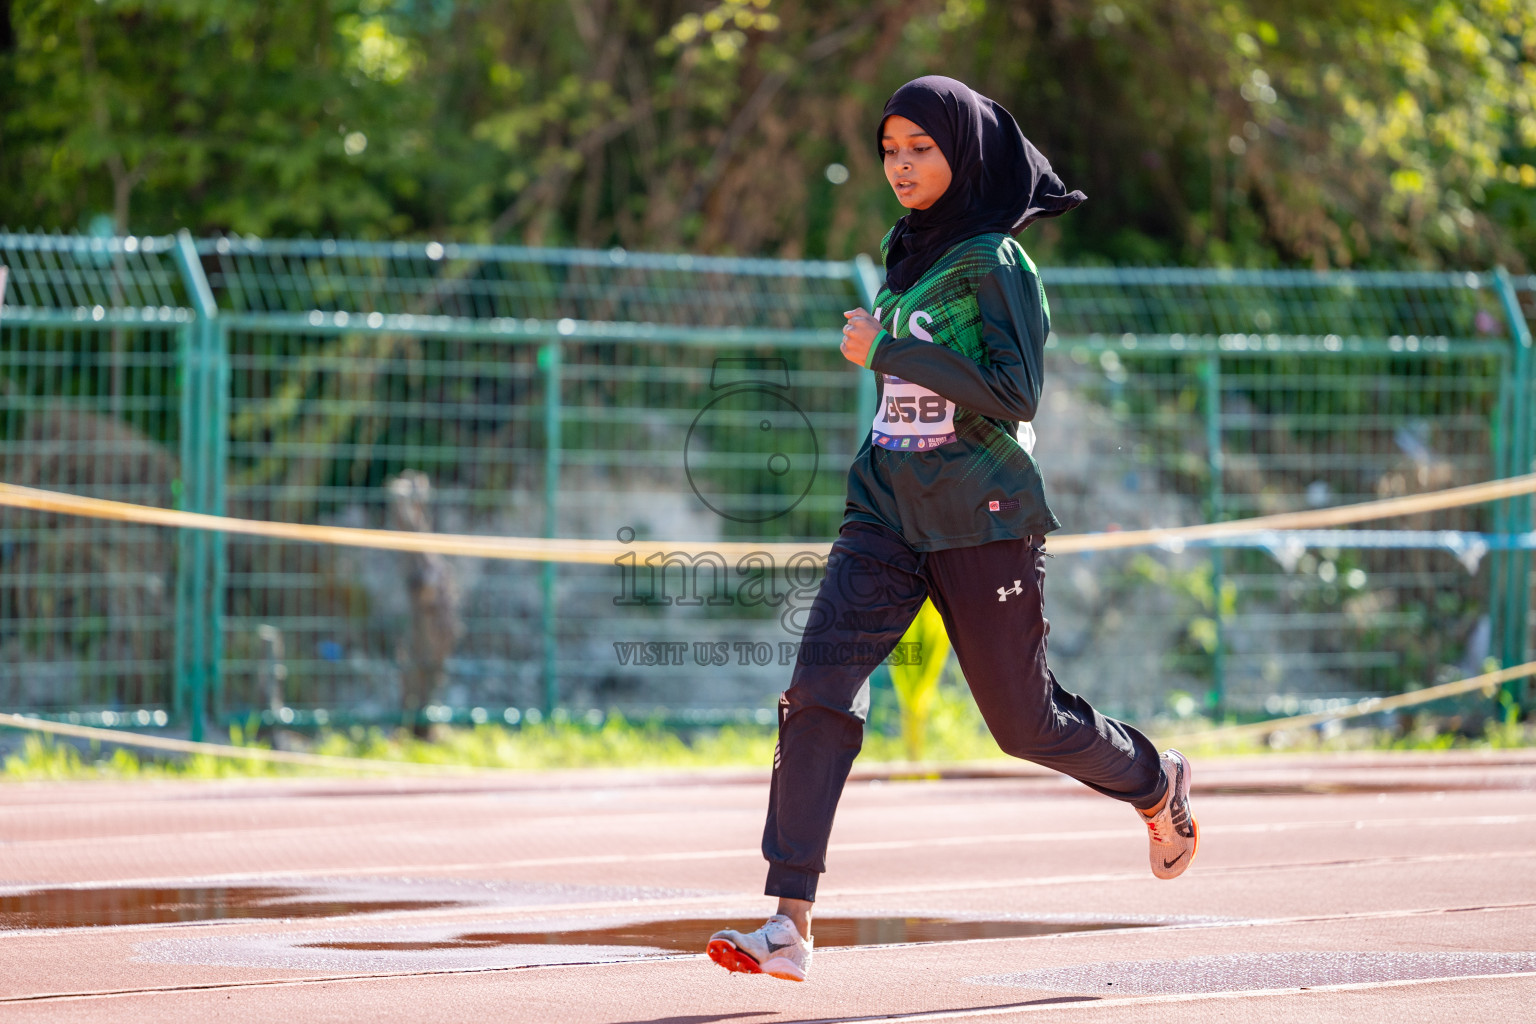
(988, 317)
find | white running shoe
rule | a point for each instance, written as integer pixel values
(775, 949)
(1174, 833)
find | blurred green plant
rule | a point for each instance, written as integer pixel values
(917, 680)
(1194, 589)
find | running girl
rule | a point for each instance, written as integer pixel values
(945, 501)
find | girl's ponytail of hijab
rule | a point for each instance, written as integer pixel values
(999, 181)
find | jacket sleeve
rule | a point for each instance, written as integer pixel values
(1013, 330)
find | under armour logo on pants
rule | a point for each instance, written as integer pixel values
(1017, 588)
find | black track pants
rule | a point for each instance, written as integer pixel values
(990, 597)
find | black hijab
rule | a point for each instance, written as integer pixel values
(1000, 182)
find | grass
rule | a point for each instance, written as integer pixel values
(955, 733)
(1430, 734)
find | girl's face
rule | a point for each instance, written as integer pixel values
(914, 166)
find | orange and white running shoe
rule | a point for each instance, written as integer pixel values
(1173, 831)
(775, 949)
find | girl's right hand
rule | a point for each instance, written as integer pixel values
(859, 333)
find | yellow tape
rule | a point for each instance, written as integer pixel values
(139, 739)
(603, 552)
(1369, 706)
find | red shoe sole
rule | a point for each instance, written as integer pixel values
(722, 952)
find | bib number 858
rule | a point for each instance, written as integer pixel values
(907, 408)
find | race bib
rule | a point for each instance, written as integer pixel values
(912, 418)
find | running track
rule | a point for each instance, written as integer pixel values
(1346, 888)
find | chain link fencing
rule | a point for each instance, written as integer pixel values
(572, 393)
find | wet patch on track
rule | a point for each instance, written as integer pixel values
(66, 907)
(111, 906)
(688, 935)
(449, 946)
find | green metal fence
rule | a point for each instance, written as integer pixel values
(1232, 394)
(606, 393)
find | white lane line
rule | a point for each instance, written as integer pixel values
(345, 876)
(406, 831)
(1251, 922)
(328, 979)
(1044, 1005)
(844, 950)
(1068, 1003)
(412, 831)
(1380, 915)
(727, 904)
(873, 846)
(633, 906)
(1257, 828)
(1137, 876)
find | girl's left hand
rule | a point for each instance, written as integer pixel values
(858, 334)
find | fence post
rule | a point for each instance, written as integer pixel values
(1518, 512)
(1519, 446)
(1525, 405)
(187, 622)
(217, 453)
(1216, 699)
(1524, 449)
(1499, 563)
(867, 279)
(549, 362)
(199, 590)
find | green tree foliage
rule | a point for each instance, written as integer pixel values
(1313, 133)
